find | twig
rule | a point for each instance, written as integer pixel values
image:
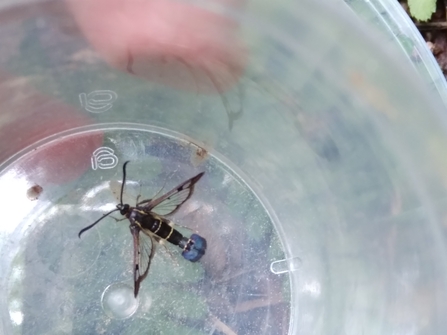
(431, 25)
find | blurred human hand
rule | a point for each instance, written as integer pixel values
(173, 42)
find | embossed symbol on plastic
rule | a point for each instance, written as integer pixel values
(285, 265)
(104, 158)
(98, 101)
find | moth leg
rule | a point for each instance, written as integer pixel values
(173, 258)
(118, 220)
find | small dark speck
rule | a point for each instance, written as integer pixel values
(325, 147)
(34, 192)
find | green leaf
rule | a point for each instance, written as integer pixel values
(422, 9)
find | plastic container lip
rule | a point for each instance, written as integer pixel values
(389, 19)
(314, 288)
(116, 301)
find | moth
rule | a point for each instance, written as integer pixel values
(149, 226)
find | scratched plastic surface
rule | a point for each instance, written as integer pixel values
(61, 278)
(323, 200)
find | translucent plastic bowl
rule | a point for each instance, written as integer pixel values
(389, 20)
(323, 200)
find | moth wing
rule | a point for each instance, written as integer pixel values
(170, 202)
(144, 250)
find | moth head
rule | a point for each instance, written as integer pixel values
(123, 208)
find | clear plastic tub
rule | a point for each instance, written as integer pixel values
(323, 200)
(390, 21)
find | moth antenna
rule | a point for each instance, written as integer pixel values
(124, 181)
(94, 223)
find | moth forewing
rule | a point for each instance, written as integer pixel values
(171, 201)
(143, 249)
